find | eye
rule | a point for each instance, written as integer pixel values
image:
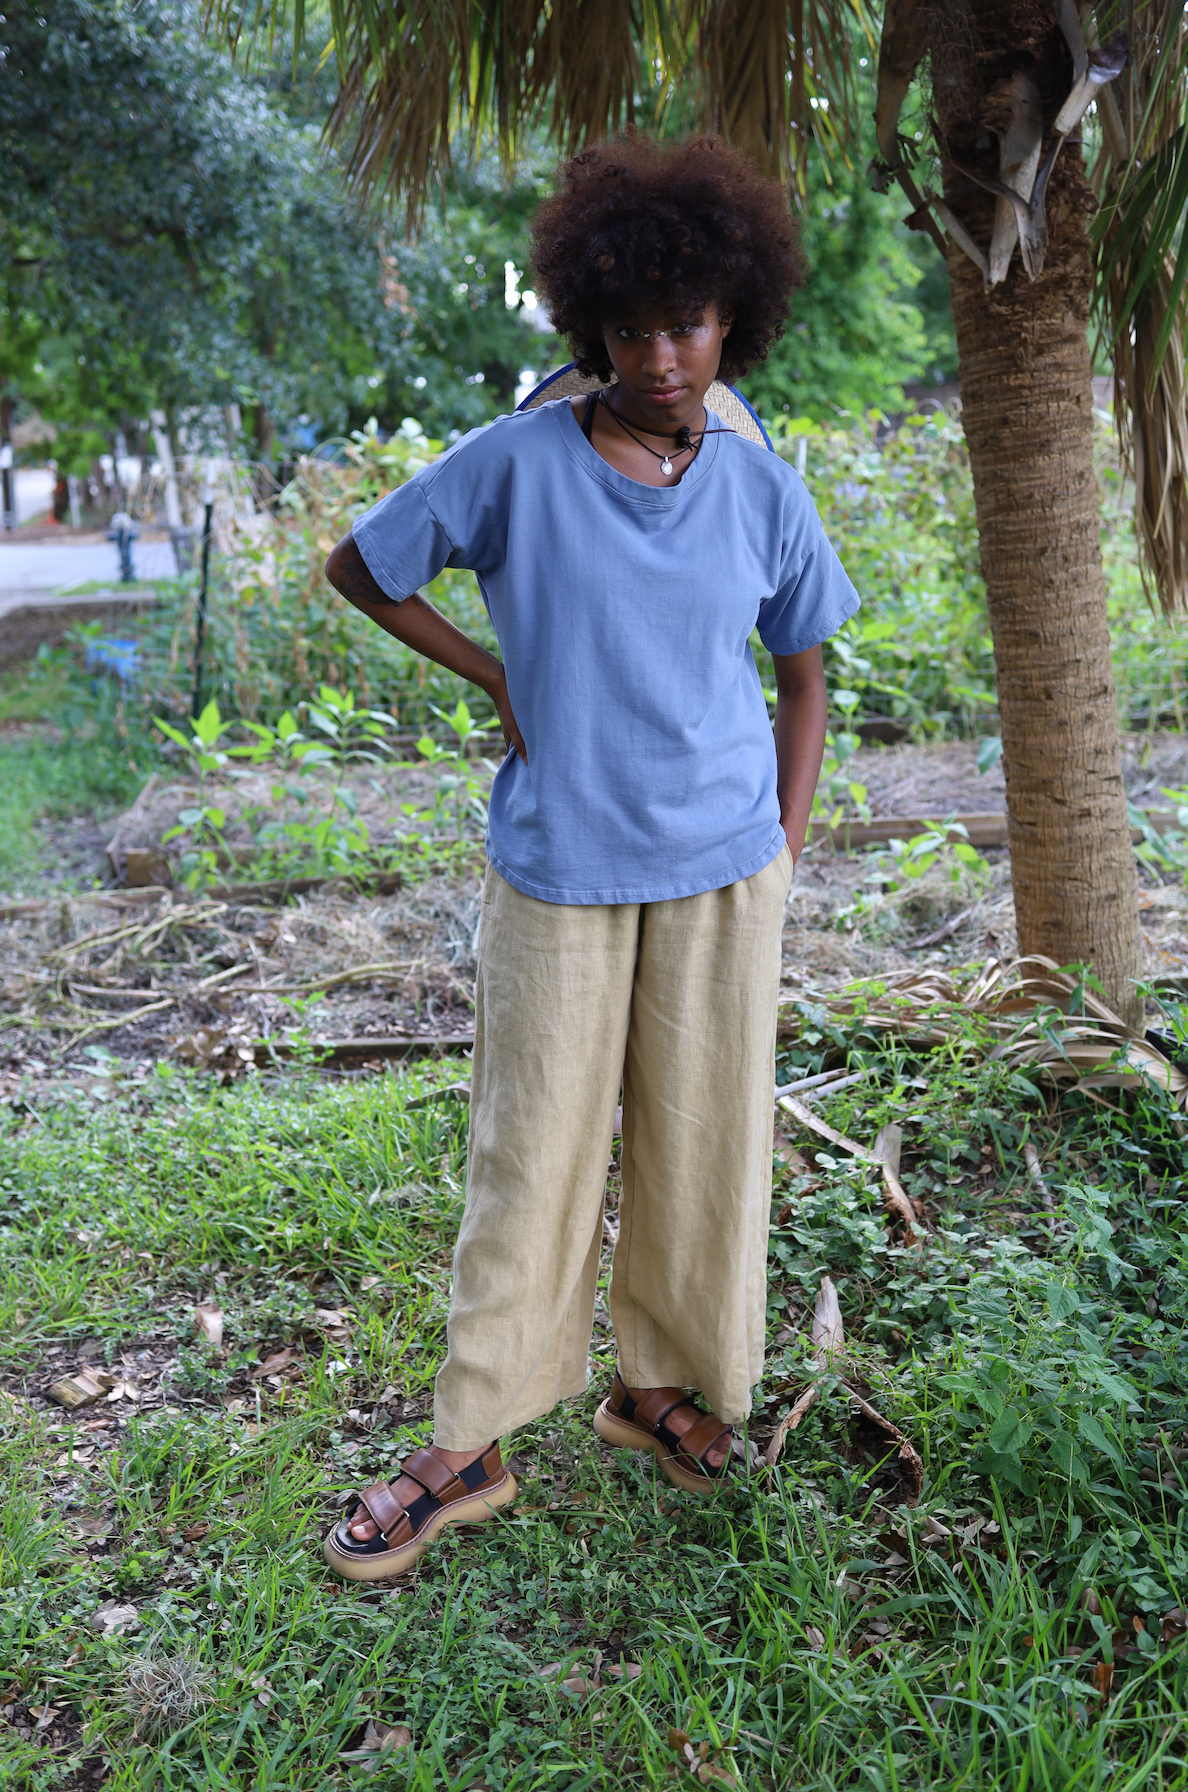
(627, 334)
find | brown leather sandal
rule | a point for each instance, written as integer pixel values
(404, 1533)
(629, 1424)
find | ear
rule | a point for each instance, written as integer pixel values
(726, 321)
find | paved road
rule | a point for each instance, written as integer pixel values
(50, 566)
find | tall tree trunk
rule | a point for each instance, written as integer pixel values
(1026, 393)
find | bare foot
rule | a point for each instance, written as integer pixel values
(408, 1491)
(684, 1419)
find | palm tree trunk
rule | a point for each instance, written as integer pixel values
(1026, 396)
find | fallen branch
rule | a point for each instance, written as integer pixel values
(814, 1124)
(887, 1146)
(459, 1091)
(179, 915)
(357, 974)
(894, 1193)
(825, 1084)
(190, 989)
(829, 1342)
(828, 1356)
(332, 1051)
(979, 830)
(117, 899)
(278, 888)
(1035, 1174)
(272, 890)
(940, 933)
(988, 828)
(116, 1020)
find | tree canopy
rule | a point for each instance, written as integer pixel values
(174, 235)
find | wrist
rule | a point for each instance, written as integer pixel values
(493, 677)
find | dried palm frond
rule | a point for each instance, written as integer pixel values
(413, 74)
(772, 75)
(1029, 1016)
(1141, 299)
(588, 60)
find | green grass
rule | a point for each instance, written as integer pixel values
(45, 780)
(1036, 1359)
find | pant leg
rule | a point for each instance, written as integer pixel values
(553, 998)
(688, 1288)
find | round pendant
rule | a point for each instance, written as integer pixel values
(666, 465)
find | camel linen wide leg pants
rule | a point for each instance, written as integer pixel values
(677, 1001)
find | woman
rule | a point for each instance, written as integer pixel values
(643, 830)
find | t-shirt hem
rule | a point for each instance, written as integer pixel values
(716, 880)
(391, 588)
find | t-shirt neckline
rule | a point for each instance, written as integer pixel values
(664, 497)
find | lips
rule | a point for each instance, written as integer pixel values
(666, 395)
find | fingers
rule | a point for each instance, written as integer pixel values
(513, 740)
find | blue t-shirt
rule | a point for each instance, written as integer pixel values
(623, 613)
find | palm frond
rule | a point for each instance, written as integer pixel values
(588, 63)
(747, 63)
(773, 74)
(414, 74)
(1141, 298)
(1030, 1016)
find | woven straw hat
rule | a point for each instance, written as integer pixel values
(730, 405)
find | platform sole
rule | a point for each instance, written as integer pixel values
(621, 1434)
(475, 1510)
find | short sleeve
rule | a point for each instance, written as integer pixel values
(402, 542)
(453, 513)
(814, 596)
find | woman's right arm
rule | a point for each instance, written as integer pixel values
(423, 628)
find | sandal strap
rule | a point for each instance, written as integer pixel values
(386, 1513)
(657, 1403)
(701, 1437)
(429, 1472)
(654, 1408)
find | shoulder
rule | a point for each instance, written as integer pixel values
(769, 477)
(494, 447)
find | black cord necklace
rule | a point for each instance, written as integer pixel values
(683, 438)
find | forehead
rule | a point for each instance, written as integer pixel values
(659, 315)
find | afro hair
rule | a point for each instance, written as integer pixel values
(686, 224)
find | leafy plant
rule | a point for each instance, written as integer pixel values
(347, 735)
(461, 804)
(910, 859)
(205, 823)
(840, 800)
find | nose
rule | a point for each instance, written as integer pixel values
(659, 356)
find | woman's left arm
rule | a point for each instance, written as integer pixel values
(801, 711)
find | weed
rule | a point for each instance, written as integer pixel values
(165, 1691)
(461, 805)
